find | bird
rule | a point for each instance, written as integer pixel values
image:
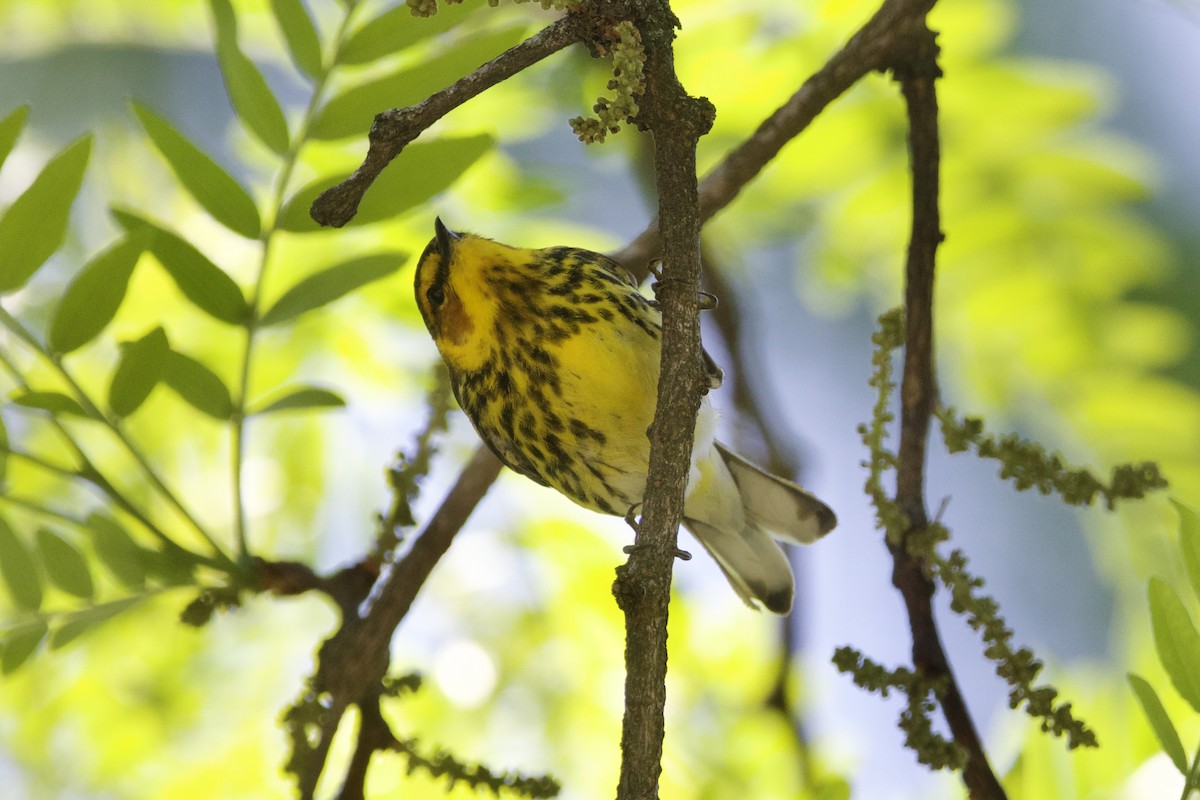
(553, 354)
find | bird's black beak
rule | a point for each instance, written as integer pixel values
(445, 239)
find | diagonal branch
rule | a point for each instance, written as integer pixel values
(354, 661)
(873, 47)
(394, 129)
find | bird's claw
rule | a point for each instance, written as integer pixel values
(706, 300)
(630, 549)
(631, 518)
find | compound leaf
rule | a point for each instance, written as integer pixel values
(1164, 729)
(396, 29)
(1176, 640)
(351, 112)
(54, 402)
(10, 129)
(205, 284)
(80, 622)
(1189, 542)
(248, 91)
(117, 551)
(421, 171)
(300, 34)
(19, 643)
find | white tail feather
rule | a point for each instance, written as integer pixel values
(734, 508)
(755, 566)
(777, 505)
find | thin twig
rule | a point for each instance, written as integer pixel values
(238, 432)
(394, 129)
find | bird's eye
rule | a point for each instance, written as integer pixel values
(436, 295)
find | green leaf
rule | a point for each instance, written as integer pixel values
(212, 187)
(10, 128)
(172, 565)
(330, 284)
(20, 569)
(301, 398)
(419, 173)
(65, 565)
(117, 550)
(139, 370)
(91, 300)
(1168, 737)
(200, 280)
(249, 93)
(35, 225)
(199, 386)
(19, 643)
(1176, 640)
(394, 30)
(54, 402)
(294, 215)
(1189, 542)
(300, 34)
(352, 112)
(422, 170)
(81, 622)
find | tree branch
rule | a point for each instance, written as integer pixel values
(873, 47)
(394, 129)
(916, 69)
(353, 662)
(677, 121)
(643, 586)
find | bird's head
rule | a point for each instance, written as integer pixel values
(455, 291)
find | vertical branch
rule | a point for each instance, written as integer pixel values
(917, 71)
(643, 585)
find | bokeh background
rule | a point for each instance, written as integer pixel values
(1068, 299)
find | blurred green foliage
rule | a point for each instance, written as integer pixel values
(208, 246)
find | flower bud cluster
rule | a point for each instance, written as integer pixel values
(628, 83)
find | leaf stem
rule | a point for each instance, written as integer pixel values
(57, 469)
(46, 511)
(241, 398)
(1191, 781)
